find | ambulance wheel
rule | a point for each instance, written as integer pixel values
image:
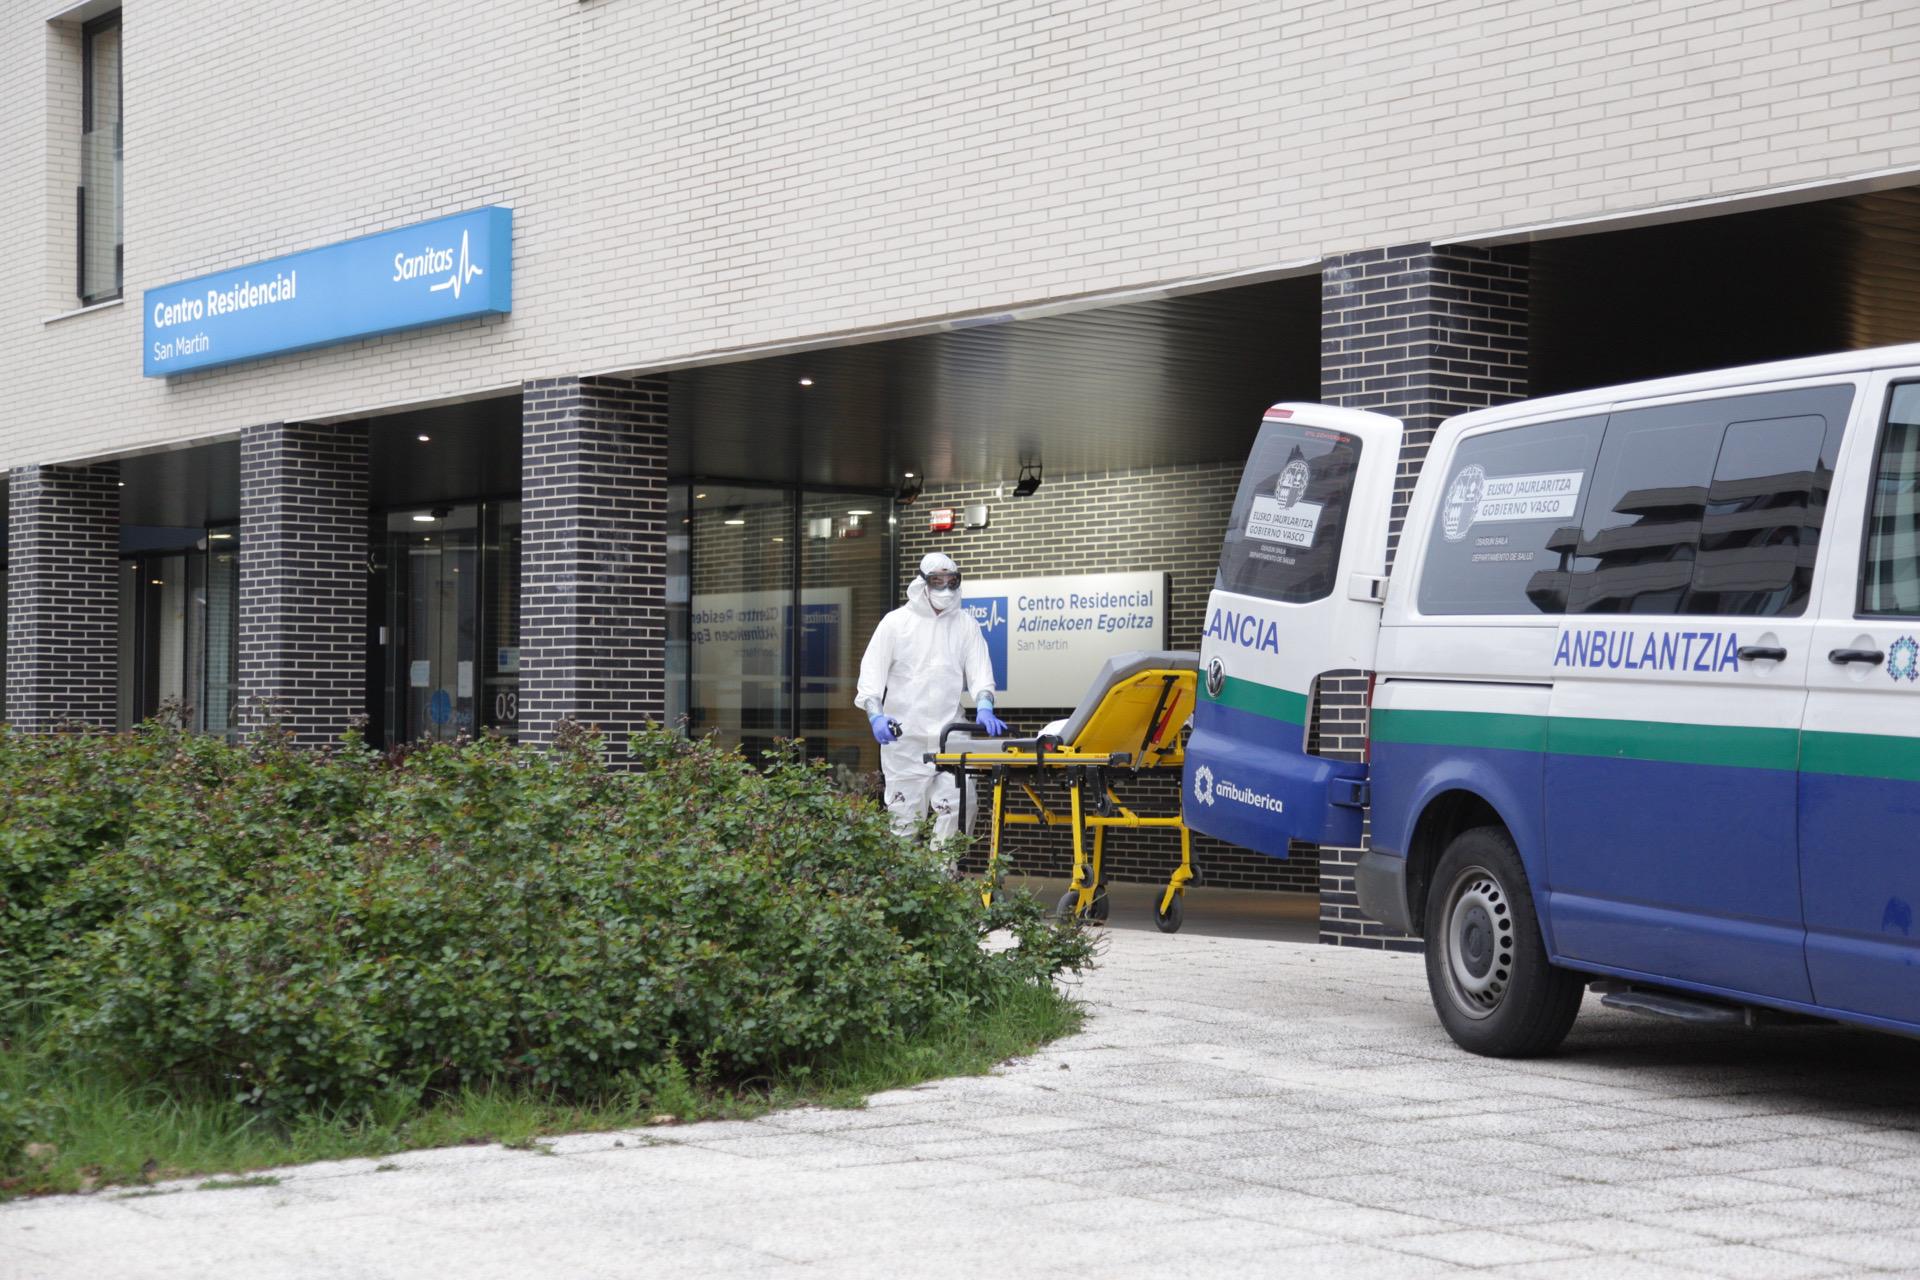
(1064, 908)
(1098, 908)
(1168, 921)
(1486, 963)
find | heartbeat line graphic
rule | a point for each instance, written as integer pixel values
(463, 272)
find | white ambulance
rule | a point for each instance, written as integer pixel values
(1643, 687)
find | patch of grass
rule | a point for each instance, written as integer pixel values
(105, 1132)
(234, 1184)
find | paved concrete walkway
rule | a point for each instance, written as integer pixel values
(1234, 1104)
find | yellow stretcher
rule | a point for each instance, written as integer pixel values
(1130, 722)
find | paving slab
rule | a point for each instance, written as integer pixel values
(1233, 1104)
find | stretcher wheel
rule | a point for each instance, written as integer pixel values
(1169, 921)
(1064, 908)
(1098, 908)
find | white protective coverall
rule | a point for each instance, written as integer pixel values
(916, 668)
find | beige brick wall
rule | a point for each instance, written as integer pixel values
(688, 179)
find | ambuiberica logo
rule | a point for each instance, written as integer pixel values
(1206, 788)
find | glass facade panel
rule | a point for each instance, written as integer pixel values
(220, 609)
(500, 626)
(846, 569)
(740, 615)
(679, 601)
(741, 560)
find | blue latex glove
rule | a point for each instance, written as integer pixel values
(883, 731)
(993, 724)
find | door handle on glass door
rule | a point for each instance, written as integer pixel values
(1762, 653)
(1842, 656)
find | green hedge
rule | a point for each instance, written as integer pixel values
(322, 930)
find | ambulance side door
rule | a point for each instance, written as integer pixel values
(1297, 594)
(1860, 743)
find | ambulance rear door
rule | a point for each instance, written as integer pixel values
(1298, 592)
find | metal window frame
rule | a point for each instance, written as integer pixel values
(1882, 430)
(88, 30)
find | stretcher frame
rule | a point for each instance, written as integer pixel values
(1090, 776)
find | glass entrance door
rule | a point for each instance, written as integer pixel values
(772, 595)
(453, 625)
(177, 633)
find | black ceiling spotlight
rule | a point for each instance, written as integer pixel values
(1029, 480)
(909, 490)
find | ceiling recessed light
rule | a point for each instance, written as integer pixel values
(220, 536)
(777, 538)
(423, 518)
(859, 511)
(733, 524)
(159, 582)
(423, 437)
(699, 497)
(123, 484)
(806, 382)
(909, 475)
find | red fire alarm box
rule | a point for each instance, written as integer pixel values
(940, 520)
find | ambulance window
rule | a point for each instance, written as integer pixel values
(1508, 519)
(1283, 539)
(1761, 528)
(1709, 507)
(1890, 578)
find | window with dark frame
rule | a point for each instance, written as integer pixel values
(1283, 538)
(1710, 506)
(1890, 560)
(99, 243)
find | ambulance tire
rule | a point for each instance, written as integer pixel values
(1487, 965)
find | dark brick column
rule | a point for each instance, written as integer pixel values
(303, 578)
(63, 600)
(593, 493)
(1419, 332)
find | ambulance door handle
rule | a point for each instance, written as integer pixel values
(1840, 657)
(1762, 653)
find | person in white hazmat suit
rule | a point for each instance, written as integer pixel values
(922, 658)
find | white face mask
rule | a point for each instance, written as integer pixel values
(943, 600)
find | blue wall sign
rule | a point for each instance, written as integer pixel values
(429, 273)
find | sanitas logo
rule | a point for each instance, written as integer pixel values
(990, 613)
(460, 268)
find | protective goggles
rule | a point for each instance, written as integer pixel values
(943, 580)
